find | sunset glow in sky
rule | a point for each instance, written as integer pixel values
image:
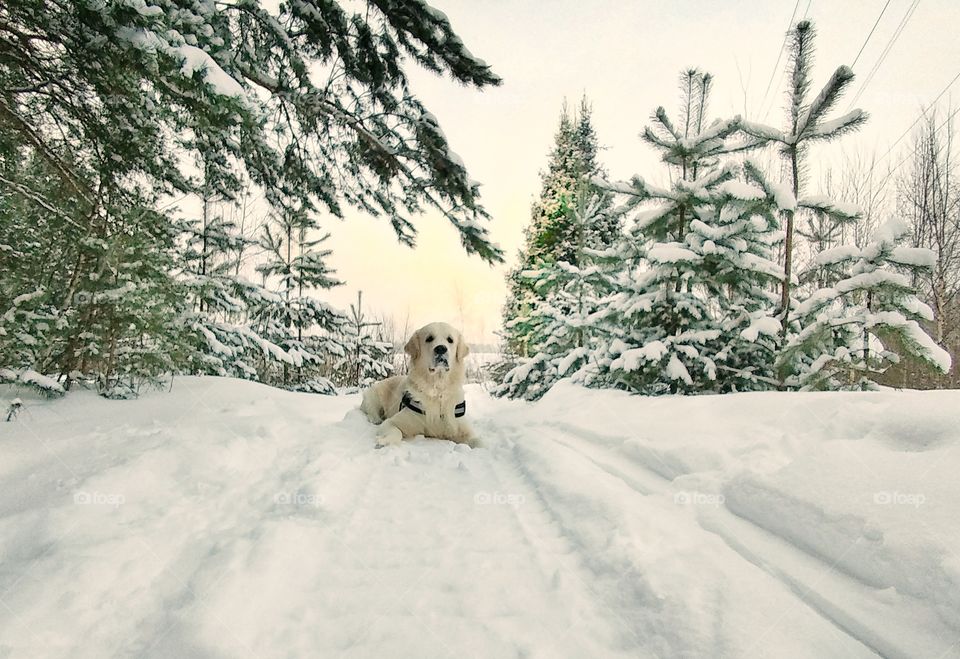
(626, 57)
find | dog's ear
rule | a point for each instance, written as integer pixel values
(413, 346)
(462, 349)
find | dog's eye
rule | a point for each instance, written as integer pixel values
(430, 339)
(449, 339)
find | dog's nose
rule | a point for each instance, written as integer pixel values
(439, 350)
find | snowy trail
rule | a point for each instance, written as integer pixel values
(226, 519)
(671, 629)
(841, 600)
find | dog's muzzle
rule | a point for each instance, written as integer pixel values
(441, 358)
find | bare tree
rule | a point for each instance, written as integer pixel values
(396, 332)
(855, 182)
(858, 183)
(928, 197)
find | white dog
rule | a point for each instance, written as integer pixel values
(429, 400)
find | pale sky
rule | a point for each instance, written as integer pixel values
(626, 56)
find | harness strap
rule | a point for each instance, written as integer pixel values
(408, 402)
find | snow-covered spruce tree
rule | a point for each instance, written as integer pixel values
(816, 347)
(807, 124)
(30, 323)
(309, 99)
(368, 356)
(308, 332)
(846, 325)
(552, 235)
(563, 320)
(219, 299)
(114, 322)
(129, 308)
(692, 311)
(738, 236)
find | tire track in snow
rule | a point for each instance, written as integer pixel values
(251, 514)
(520, 534)
(713, 523)
(207, 564)
(614, 586)
(412, 558)
(880, 636)
(643, 479)
(559, 559)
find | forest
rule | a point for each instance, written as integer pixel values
(119, 119)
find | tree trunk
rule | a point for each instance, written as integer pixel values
(788, 250)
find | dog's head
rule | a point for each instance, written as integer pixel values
(437, 348)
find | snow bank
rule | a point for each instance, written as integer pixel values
(40, 381)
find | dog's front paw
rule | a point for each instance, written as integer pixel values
(390, 436)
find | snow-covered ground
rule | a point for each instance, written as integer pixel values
(228, 519)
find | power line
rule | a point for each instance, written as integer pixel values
(886, 51)
(783, 46)
(921, 115)
(867, 40)
(913, 152)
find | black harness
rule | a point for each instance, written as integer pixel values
(407, 401)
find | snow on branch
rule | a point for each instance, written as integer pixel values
(915, 257)
(830, 129)
(911, 332)
(644, 218)
(742, 191)
(764, 132)
(671, 253)
(825, 100)
(838, 210)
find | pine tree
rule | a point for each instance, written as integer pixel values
(368, 355)
(128, 309)
(219, 299)
(852, 296)
(807, 125)
(552, 235)
(308, 332)
(738, 236)
(31, 325)
(847, 325)
(691, 312)
(563, 320)
(104, 102)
